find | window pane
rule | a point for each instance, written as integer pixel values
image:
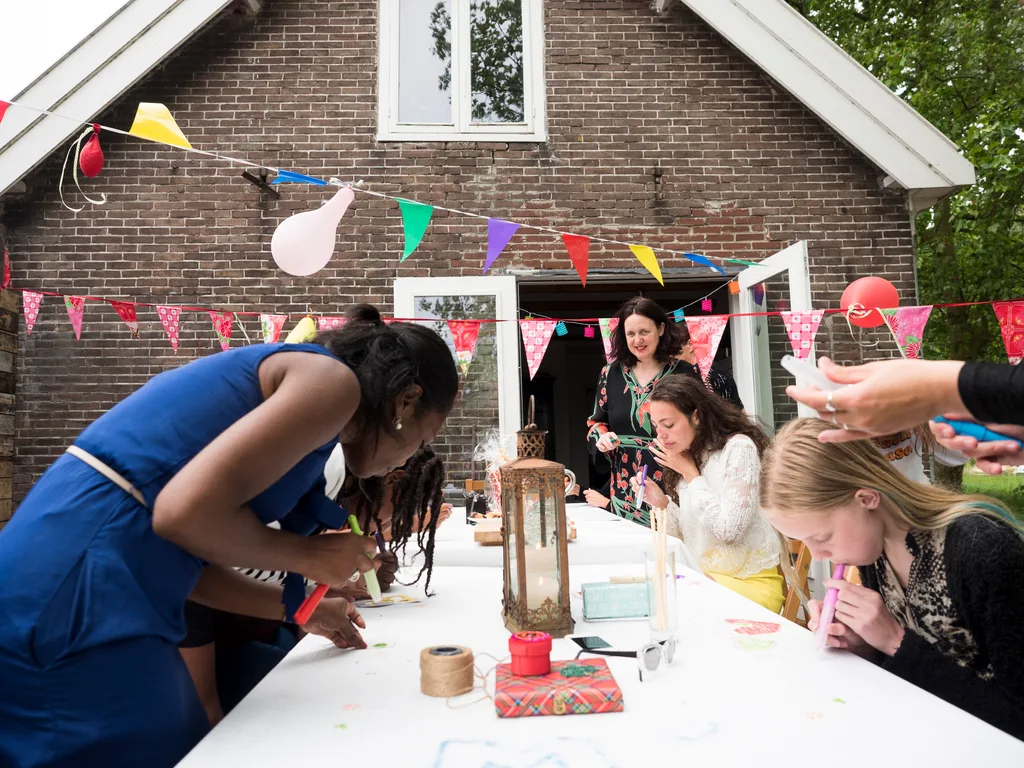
(476, 412)
(424, 61)
(497, 48)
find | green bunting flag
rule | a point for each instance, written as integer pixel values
(415, 220)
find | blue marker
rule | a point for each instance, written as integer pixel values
(977, 431)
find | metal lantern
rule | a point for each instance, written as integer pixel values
(535, 540)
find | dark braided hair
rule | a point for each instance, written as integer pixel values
(419, 489)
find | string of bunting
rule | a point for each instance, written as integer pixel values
(153, 122)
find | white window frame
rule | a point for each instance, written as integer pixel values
(534, 90)
(506, 309)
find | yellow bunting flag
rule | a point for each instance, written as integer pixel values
(646, 257)
(154, 122)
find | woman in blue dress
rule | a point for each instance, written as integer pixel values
(161, 497)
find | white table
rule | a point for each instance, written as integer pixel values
(717, 704)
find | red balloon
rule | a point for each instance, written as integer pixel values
(871, 294)
(91, 159)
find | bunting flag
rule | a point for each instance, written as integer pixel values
(31, 301)
(759, 294)
(696, 259)
(222, 322)
(330, 323)
(608, 326)
(127, 313)
(801, 328)
(76, 308)
(705, 336)
(290, 177)
(7, 269)
(536, 337)
(3, 109)
(154, 122)
(1011, 323)
(646, 257)
(415, 220)
(578, 247)
(465, 334)
(498, 234)
(907, 326)
(170, 319)
(272, 325)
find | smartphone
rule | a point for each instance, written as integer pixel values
(591, 643)
(806, 373)
(977, 431)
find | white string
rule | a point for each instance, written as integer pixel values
(76, 147)
(482, 676)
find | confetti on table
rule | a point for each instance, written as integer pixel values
(813, 715)
(380, 646)
(350, 707)
(747, 627)
(341, 727)
(838, 701)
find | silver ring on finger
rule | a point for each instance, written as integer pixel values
(835, 421)
(829, 405)
(846, 428)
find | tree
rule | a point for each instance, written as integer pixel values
(496, 57)
(960, 64)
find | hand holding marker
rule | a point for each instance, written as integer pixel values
(372, 586)
(828, 609)
(978, 431)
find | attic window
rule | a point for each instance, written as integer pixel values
(465, 70)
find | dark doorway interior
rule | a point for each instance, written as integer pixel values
(564, 387)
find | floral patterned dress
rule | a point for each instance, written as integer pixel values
(622, 407)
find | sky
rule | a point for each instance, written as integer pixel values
(38, 32)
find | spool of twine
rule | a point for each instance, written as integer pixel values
(446, 670)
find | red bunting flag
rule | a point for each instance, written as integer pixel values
(578, 247)
(536, 337)
(272, 325)
(1011, 323)
(801, 328)
(222, 322)
(465, 333)
(170, 319)
(907, 326)
(330, 323)
(31, 302)
(127, 313)
(3, 109)
(76, 308)
(7, 269)
(705, 336)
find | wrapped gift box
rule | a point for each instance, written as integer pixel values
(606, 600)
(581, 687)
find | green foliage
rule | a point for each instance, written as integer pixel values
(960, 64)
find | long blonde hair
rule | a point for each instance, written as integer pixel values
(799, 473)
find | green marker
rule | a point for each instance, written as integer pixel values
(372, 585)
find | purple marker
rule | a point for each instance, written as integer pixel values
(828, 609)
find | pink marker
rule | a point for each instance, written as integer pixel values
(828, 609)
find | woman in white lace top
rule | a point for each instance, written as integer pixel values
(712, 456)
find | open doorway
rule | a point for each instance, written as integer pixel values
(564, 387)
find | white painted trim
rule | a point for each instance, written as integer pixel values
(122, 51)
(506, 308)
(534, 130)
(840, 91)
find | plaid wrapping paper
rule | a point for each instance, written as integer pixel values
(564, 691)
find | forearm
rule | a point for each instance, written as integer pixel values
(992, 392)
(227, 590)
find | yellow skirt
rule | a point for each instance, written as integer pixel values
(766, 588)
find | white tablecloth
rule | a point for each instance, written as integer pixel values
(718, 704)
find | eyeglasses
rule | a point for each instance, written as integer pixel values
(647, 658)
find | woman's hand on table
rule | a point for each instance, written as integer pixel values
(608, 442)
(596, 499)
(681, 463)
(862, 610)
(990, 458)
(653, 495)
(339, 621)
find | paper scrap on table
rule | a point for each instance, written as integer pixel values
(382, 645)
(386, 601)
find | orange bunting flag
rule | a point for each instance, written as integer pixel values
(154, 122)
(646, 257)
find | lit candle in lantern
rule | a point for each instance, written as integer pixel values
(542, 576)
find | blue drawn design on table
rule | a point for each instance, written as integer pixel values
(549, 753)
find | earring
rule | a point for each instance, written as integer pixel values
(398, 425)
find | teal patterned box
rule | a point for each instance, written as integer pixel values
(605, 600)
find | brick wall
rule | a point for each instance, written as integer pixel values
(745, 171)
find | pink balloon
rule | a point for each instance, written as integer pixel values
(303, 244)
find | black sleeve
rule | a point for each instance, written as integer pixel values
(993, 392)
(984, 563)
(200, 625)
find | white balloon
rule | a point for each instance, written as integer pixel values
(303, 244)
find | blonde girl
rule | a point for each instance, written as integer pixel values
(942, 601)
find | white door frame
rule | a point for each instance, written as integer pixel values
(752, 362)
(506, 308)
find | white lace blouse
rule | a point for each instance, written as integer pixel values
(719, 517)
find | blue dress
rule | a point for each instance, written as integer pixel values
(91, 598)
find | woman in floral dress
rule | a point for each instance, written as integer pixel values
(645, 344)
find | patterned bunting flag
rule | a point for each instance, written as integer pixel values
(705, 336)
(31, 301)
(536, 337)
(222, 322)
(608, 326)
(646, 257)
(415, 220)
(465, 334)
(498, 234)
(330, 323)
(801, 328)
(76, 308)
(578, 247)
(127, 313)
(272, 325)
(1011, 323)
(170, 319)
(7, 269)
(907, 326)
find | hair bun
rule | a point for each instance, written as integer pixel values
(365, 313)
